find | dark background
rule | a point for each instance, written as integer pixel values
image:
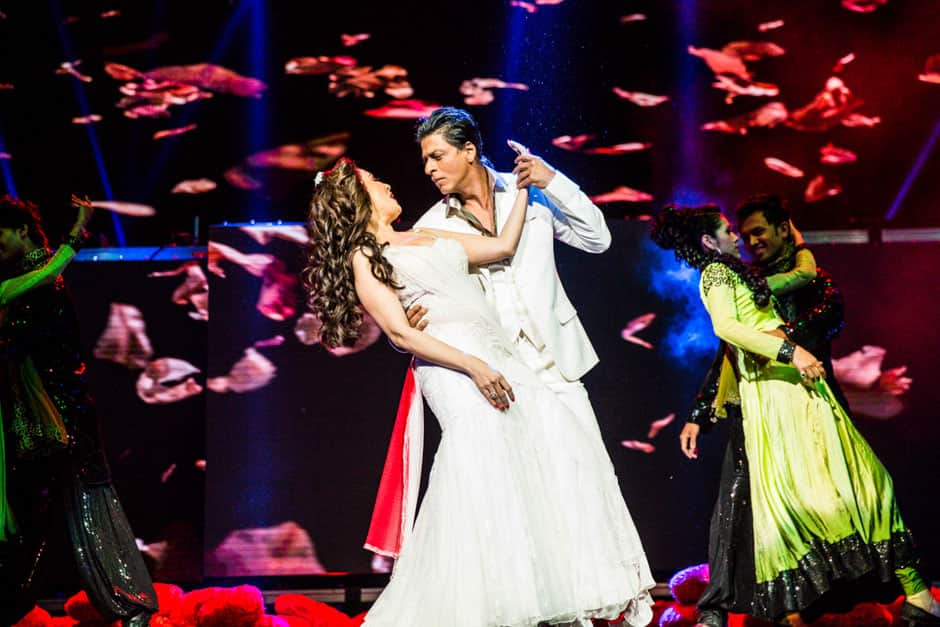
(570, 55)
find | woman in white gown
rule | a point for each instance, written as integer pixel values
(523, 522)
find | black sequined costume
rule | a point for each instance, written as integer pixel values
(57, 479)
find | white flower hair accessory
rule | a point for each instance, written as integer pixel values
(318, 179)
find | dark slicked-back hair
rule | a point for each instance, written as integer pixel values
(773, 208)
(456, 126)
(15, 213)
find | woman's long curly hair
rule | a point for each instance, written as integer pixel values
(340, 211)
(680, 229)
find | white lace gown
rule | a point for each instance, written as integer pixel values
(523, 522)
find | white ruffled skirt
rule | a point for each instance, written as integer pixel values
(523, 522)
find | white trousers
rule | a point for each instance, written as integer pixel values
(571, 393)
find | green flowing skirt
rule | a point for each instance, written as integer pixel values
(823, 504)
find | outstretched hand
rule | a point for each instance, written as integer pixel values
(688, 439)
(85, 210)
(532, 170)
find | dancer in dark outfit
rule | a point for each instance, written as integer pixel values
(55, 480)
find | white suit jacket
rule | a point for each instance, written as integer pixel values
(561, 211)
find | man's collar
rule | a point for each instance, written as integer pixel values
(783, 262)
(495, 183)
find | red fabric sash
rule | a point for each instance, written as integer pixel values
(396, 501)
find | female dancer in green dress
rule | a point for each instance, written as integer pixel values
(820, 507)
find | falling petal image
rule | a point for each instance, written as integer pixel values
(255, 264)
(352, 40)
(871, 391)
(633, 17)
(167, 380)
(307, 330)
(110, 14)
(857, 119)
(5, 155)
(252, 372)
(628, 333)
(277, 340)
(7, 87)
(70, 68)
(860, 368)
(781, 166)
(863, 6)
(769, 115)
(753, 50)
(403, 110)
(658, 425)
(194, 186)
(641, 99)
(313, 155)
(124, 341)
(520, 4)
(834, 155)
(479, 91)
(278, 297)
(931, 73)
(574, 144)
(87, 119)
(285, 549)
(123, 72)
(622, 193)
(200, 464)
(841, 63)
(136, 210)
(318, 65)
(771, 25)
(821, 187)
(194, 289)
(827, 109)
(166, 474)
(148, 111)
(736, 87)
(211, 77)
(619, 149)
(363, 81)
(237, 177)
(369, 333)
(381, 564)
(722, 63)
(296, 233)
(637, 445)
(174, 131)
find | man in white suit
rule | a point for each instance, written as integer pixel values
(525, 290)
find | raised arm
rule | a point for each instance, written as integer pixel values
(482, 250)
(382, 304)
(17, 286)
(575, 219)
(801, 275)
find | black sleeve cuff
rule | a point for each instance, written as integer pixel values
(785, 355)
